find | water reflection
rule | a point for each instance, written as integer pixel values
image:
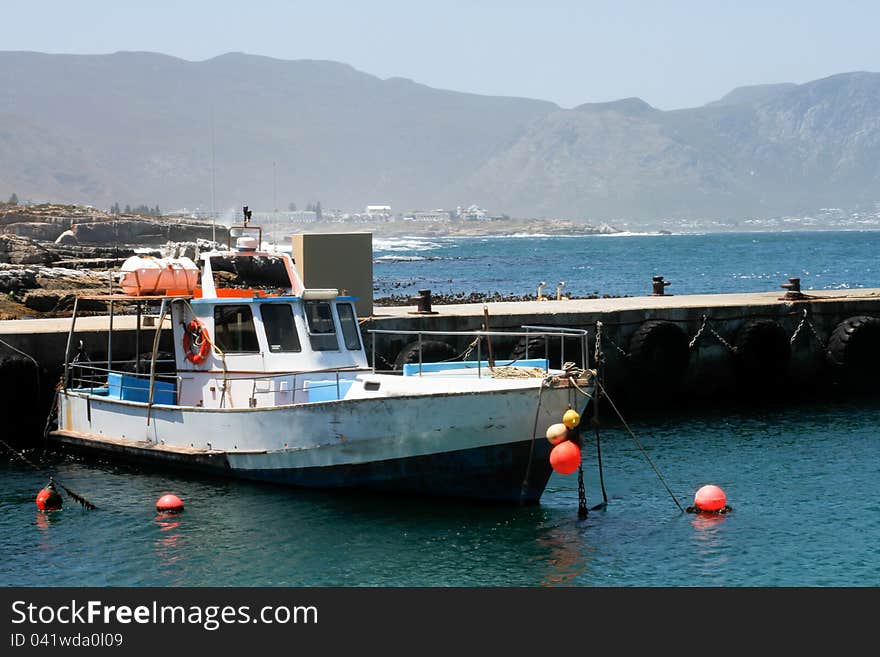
(707, 524)
(563, 548)
(168, 545)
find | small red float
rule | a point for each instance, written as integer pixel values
(49, 499)
(710, 498)
(169, 504)
(565, 457)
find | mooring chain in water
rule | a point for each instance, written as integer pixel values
(79, 498)
(582, 493)
(639, 445)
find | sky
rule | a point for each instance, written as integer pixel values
(672, 54)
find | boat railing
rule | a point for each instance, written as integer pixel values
(119, 380)
(127, 384)
(547, 333)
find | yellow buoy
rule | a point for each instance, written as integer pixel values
(571, 418)
(557, 433)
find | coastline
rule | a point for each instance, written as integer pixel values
(488, 228)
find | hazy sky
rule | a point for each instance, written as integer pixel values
(671, 54)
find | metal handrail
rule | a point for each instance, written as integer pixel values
(569, 333)
(546, 331)
(94, 376)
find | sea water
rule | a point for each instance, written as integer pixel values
(802, 480)
(624, 265)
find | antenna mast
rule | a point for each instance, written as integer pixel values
(213, 185)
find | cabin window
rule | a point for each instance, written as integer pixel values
(280, 328)
(322, 331)
(348, 322)
(234, 330)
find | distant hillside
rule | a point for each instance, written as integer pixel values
(137, 128)
(754, 94)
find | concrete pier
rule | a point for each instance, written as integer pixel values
(704, 346)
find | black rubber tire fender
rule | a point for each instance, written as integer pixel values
(763, 349)
(537, 348)
(853, 350)
(432, 352)
(659, 348)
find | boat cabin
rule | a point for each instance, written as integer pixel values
(271, 340)
(248, 335)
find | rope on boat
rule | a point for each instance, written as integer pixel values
(639, 445)
(595, 422)
(514, 372)
(86, 504)
(525, 482)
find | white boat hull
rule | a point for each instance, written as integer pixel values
(477, 444)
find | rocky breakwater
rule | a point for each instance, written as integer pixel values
(74, 224)
(32, 284)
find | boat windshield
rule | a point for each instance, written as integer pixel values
(280, 327)
(348, 321)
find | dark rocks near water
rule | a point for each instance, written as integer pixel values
(473, 297)
(19, 250)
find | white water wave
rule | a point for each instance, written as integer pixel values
(402, 258)
(397, 244)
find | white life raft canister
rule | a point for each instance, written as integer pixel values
(146, 276)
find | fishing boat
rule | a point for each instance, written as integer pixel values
(252, 374)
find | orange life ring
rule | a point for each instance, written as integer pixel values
(196, 333)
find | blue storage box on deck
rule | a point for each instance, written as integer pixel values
(412, 369)
(137, 389)
(324, 390)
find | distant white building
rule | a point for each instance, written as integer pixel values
(382, 212)
(302, 216)
(430, 215)
(471, 213)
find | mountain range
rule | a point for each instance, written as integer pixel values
(145, 128)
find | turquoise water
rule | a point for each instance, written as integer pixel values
(802, 480)
(803, 484)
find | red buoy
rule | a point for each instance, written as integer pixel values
(170, 504)
(565, 457)
(710, 498)
(49, 499)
